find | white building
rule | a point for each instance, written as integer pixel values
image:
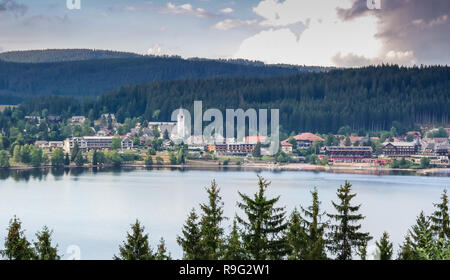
(78, 119)
(88, 143)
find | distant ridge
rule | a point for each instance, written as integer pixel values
(62, 55)
(82, 72)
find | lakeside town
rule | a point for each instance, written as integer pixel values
(137, 142)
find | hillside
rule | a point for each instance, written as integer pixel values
(60, 55)
(97, 76)
(370, 98)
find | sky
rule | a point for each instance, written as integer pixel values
(342, 33)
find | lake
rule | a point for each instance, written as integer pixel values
(94, 209)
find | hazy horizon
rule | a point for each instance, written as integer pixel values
(340, 33)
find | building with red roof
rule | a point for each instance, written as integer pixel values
(305, 140)
(286, 146)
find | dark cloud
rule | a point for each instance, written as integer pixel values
(410, 25)
(13, 7)
(358, 8)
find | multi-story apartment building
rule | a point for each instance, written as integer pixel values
(400, 149)
(88, 143)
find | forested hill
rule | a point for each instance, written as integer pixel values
(60, 55)
(98, 76)
(369, 98)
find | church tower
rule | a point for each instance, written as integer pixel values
(180, 124)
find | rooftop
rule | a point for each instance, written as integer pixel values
(307, 136)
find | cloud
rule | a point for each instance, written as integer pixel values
(352, 60)
(130, 8)
(309, 32)
(226, 10)
(232, 23)
(185, 9)
(156, 49)
(348, 33)
(414, 25)
(437, 21)
(276, 13)
(13, 7)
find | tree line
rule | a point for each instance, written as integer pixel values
(372, 98)
(264, 231)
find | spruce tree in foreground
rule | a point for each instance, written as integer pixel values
(264, 225)
(419, 238)
(17, 246)
(406, 250)
(162, 254)
(384, 247)
(136, 247)
(210, 224)
(421, 234)
(315, 230)
(362, 251)
(296, 237)
(190, 242)
(43, 247)
(345, 236)
(440, 218)
(233, 247)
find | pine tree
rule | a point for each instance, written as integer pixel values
(407, 250)
(43, 247)
(384, 247)
(257, 150)
(67, 159)
(440, 218)
(210, 224)
(191, 240)
(233, 247)
(421, 234)
(162, 253)
(315, 230)
(17, 246)
(75, 151)
(362, 251)
(95, 158)
(136, 247)
(79, 159)
(149, 160)
(345, 235)
(264, 226)
(296, 237)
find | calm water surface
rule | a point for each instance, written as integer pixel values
(93, 210)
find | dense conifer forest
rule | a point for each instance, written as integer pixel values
(369, 98)
(97, 72)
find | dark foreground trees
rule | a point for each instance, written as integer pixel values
(263, 232)
(17, 247)
(263, 225)
(137, 247)
(345, 237)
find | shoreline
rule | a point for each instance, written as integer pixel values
(293, 167)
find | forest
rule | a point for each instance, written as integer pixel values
(59, 55)
(98, 73)
(366, 99)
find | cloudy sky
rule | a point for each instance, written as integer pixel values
(309, 32)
